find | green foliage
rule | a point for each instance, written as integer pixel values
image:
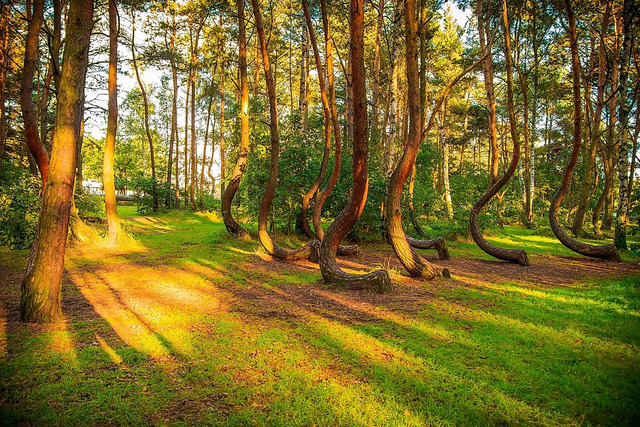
(147, 190)
(90, 205)
(19, 210)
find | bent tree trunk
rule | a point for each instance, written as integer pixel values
(40, 300)
(378, 280)
(113, 221)
(604, 251)
(310, 249)
(34, 144)
(146, 110)
(306, 198)
(230, 191)
(324, 193)
(511, 255)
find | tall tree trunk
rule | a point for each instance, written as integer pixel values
(303, 96)
(34, 144)
(375, 93)
(605, 251)
(331, 273)
(111, 211)
(594, 137)
(324, 193)
(206, 140)
(186, 143)
(223, 166)
(310, 249)
(40, 300)
(512, 255)
(306, 198)
(146, 110)
(175, 138)
(445, 163)
(194, 165)
(227, 197)
(4, 65)
(624, 145)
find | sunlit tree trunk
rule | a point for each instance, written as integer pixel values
(375, 93)
(331, 273)
(29, 117)
(186, 143)
(512, 255)
(146, 109)
(4, 65)
(445, 162)
(223, 166)
(111, 212)
(194, 40)
(303, 95)
(40, 300)
(174, 112)
(206, 140)
(310, 249)
(605, 251)
(227, 197)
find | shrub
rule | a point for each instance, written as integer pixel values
(19, 210)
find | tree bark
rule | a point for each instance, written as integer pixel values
(146, 110)
(40, 300)
(590, 154)
(4, 65)
(227, 197)
(174, 111)
(378, 280)
(605, 251)
(306, 198)
(624, 146)
(29, 117)
(206, 140)
(111, 211)
(512, 255)
(223, 149)
(310, 249)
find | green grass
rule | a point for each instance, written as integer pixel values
(190, 326)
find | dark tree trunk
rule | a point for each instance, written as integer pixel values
(146, 110)
(306, 198)
(324, 193)
(605, 251)
(310, 249)
(331, 273)
(227, 197)
(29, 117)
(511, 255)
(40, 300)
(111, 212)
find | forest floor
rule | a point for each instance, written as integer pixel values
(188, 325)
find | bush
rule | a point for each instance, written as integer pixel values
(19, 210)
(145, 188)
(90, 205)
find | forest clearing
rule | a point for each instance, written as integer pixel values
(190, 325)
(319, 212)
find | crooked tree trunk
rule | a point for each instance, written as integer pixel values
(308, 251)
(594, 140)
(29, 117)
(605, 251)
(111, 211)
(511, 255)
(227, 197)
(145, 102)
(306, 198)
(624, 145)
(323, 194)
(378, 280)
(40, 300)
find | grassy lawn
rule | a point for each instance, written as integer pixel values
(188, 325)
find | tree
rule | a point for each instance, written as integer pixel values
(34, 144)
(331, 273)
(227, 197)
(603, 251)
(513, 255)
(111, 211)
(145, 102)
(41, 288)
(310, 249)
